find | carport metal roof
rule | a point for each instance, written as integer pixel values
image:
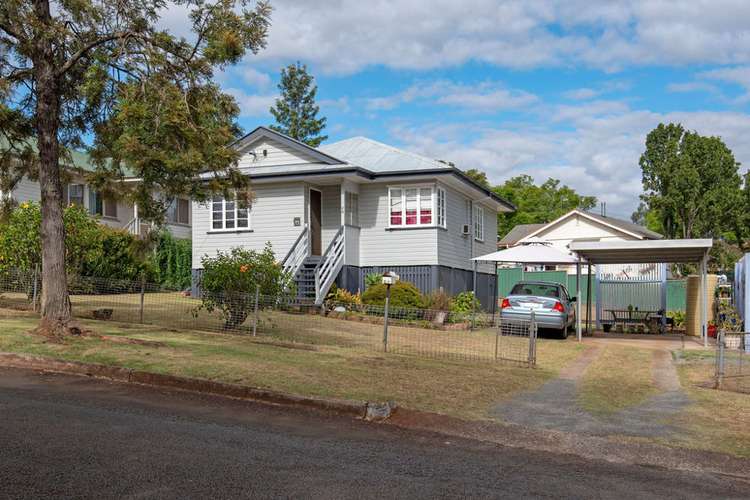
(642, 251)
(645, 252)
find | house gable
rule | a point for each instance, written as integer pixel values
(264, 147)
(577, 227)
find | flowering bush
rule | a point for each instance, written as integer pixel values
(229, 281)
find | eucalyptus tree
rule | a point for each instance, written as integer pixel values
(106, 76)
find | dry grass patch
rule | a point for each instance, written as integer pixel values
(460, 388)
(619, 378)
(716, 420)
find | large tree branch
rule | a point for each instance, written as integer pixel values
(90, 46)
(10, 31)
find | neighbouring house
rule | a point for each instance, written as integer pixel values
(119, 214)
(336, 213)
(577, 225)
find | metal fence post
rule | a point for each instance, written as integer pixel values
(385, 317)
(143, 296)
(720, 360)
(498, 329)
(532, 340)
(35, 292)
(255, 314)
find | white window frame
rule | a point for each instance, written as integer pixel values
(351, 208)
(223, 227)
(434, 189)
(440, 207)
(478, 222)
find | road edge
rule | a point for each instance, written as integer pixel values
(365, 410)
(510, 435)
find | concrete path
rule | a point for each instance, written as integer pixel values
(555, 404)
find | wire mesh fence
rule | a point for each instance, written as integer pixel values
(423, 332)
(733, 361)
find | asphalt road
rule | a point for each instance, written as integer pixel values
(63, 436)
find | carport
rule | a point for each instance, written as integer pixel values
(645, 252)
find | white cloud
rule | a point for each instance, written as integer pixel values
(344, 36)
(692, 87)
(256, 78)
(596, 151)
(581, 94)
(484, 97)
(252, 105)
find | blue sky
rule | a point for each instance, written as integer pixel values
(564, 89)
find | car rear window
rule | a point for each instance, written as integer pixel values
(537, 289)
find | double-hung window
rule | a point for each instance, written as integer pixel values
(416, 206)
(229, 214)
(479, 222)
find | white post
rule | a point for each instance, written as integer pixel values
(578, 299)
(704, 301)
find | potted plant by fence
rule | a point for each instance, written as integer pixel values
(230, 279)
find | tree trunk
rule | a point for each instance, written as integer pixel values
(56, 310)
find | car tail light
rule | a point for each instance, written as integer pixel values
(558, 307)
(505, 304)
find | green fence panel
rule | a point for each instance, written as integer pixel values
(676, 295)
(507, 277)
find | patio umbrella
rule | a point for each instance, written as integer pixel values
(534, 252)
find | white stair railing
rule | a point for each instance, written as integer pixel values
(329, 266)
(297, 254)
(134, 226)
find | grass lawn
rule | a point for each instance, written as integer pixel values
(458, 387)
(718, 420)
(619, 378)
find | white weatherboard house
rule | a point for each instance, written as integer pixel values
(341, 211)
(577, 225)
(119, 214)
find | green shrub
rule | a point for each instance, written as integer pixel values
(465, 302)
(228, 282)
(373, 279)
(172, 261)
(403, 294)
(342, 297)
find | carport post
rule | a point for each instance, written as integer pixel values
(704, 300)
(578, 299)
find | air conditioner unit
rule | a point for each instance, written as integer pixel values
(465, 229)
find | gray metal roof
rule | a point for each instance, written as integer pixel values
(378, 157)
(518, 232)
(626, 226)
(642, 251)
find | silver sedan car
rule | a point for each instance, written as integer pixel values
(550, 302)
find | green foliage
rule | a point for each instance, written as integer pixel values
(295, 111)
(228, 282)
(478, 176)
(464, 303)
(403, 294)
(91, 249)
(120, 258)
(678, 317)
(341, 297)
(538, 204)
(172, 261)
(690, 181)
(373, 279)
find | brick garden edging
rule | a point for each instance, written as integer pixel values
(366, 410)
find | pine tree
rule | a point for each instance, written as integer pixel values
(295, 110)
